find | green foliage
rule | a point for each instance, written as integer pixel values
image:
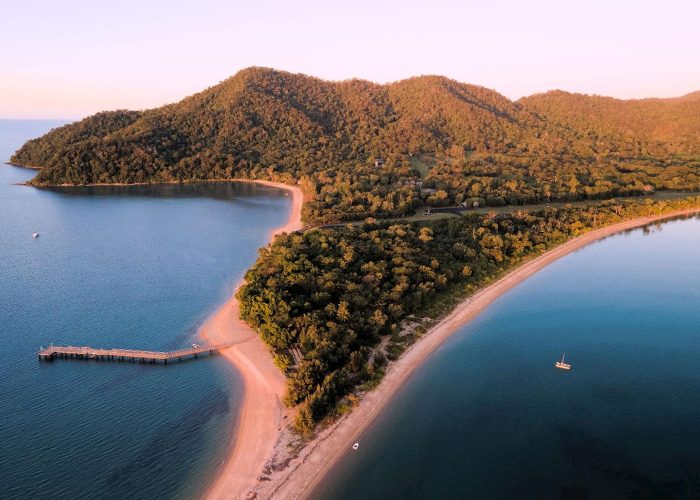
(333, 293)
(479, 146)
(322, 300)
(662, 125)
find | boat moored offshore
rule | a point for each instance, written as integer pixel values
(561, 364)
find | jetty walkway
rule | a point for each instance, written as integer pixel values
(128, 355)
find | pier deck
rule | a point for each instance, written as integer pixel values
(128, 355)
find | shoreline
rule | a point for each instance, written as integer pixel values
(19, 165)
(258, 430)
(275, 184)
(261, 420)
(311, 467)
(261, 413)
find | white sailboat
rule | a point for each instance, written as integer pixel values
(561, 364)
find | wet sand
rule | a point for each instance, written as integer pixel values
(261, 413)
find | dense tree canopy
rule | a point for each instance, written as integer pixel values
(324, 299)
(334, 303)
(267, 124)
(664, 125)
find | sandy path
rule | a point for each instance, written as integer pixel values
(324, 451)
(261, 411)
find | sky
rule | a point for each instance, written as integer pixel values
(71, 58)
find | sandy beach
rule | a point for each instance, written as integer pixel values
(306, 471)
(261, 413)
(263, 416)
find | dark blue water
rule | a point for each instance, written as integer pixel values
(137, 267)
(488, 416)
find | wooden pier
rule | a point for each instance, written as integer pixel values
(128, 355)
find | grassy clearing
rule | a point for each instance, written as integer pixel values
(422, 163)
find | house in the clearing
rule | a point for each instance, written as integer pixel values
(378, 162)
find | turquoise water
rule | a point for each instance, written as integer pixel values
(488, 416)
(137, 267)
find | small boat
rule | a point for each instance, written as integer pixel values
(355, 446)
(561, 364)
(35, 235)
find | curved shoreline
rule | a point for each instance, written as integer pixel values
(261, 412)
(262, 415)
(307, 471)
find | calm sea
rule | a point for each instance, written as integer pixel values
(137, 267)
(488, 415)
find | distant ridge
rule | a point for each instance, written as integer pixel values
(472, 142)
(673, 122)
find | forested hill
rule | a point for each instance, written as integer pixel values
(443, 143)
(671, 124)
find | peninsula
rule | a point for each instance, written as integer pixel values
(424, 200)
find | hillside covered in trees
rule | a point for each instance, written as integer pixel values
(665, 125)
(268, 124)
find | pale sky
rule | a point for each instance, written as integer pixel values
(72, 58)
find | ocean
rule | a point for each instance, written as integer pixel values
(129, 267)
(489, 416)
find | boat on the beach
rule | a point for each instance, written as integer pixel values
(35, 235)
(561, 364)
